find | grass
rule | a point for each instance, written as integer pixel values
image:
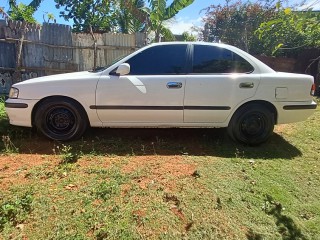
(161, 184)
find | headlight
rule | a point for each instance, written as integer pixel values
(14, 92)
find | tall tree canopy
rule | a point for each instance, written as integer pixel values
(235, 24)
(263, 27)
(100, 15)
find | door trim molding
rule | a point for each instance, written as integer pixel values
(128, 107)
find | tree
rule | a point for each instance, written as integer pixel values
(98, 15)
(188, 37)
(236, 23)
(35, 4)
(23, 12)
(290, 32)
(158, 13)
(130, 17)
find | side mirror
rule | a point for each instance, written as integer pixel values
(123, 69)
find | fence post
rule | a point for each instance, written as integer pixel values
(94, 49)
(17, 71)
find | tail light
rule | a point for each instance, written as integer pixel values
(313, 89)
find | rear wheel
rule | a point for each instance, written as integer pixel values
(252, 124)
(61, 119)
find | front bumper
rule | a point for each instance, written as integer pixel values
(19, 111)
(15, 105)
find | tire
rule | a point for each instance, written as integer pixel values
(251, 124)
(61, 119)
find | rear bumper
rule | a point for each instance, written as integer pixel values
(300, 107)
(289, 112)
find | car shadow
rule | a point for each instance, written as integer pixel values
(174, 141)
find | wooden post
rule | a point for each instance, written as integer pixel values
(17, 71)
(94, 49)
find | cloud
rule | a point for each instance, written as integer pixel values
(180, 25)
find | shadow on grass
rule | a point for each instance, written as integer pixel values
(286, 226)
(251, 235)
(197, 142)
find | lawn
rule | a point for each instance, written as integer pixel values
(160, 184)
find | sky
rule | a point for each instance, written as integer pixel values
(183, 21)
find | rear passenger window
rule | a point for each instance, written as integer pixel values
(211, 59)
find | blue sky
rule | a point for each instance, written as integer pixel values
(183, 21)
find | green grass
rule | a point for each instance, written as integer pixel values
(162, 184)
(3, 116)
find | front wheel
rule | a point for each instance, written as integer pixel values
(61, 119)
(252, 124)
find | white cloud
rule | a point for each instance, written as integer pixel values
(180, 25)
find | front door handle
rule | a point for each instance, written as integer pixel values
(174, 85)
(246, 85)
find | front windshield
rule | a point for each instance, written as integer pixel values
(100, 69)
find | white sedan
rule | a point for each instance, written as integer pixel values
(178, 84)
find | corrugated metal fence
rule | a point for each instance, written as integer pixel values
(54, 48)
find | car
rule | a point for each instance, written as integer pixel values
(171, 85)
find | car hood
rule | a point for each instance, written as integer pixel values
(72, 85)
(61, 77)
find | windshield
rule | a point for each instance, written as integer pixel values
(100, 69)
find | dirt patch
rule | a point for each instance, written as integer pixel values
(284, 129)
(160, 165)
(13, 168)
(90, 162)
(153, 169)
(159, 169)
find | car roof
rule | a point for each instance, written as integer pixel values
(186, 42)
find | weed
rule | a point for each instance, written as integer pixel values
(107, 189)
(67, 155)
(9, 147)
(16, 210)
(110, 187)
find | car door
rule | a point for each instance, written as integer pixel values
(151, 94)
(219, 80)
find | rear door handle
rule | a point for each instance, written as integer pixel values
(174, 85)
(246, 85)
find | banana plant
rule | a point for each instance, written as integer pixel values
(131, 19)
(35, 4)
(158, 12)
(23, 12)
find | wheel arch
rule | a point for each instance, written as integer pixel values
(38, 104)
(264, 103)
